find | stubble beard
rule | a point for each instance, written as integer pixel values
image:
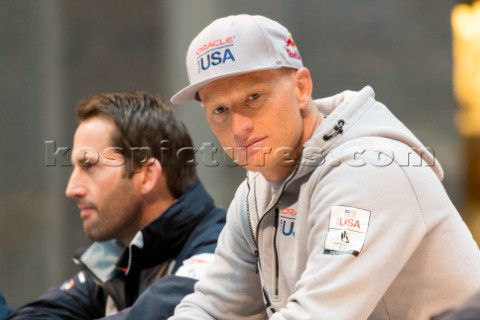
(118, 219)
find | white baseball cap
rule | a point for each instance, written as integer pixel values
(234, 45)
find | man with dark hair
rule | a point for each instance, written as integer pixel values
(153, 224)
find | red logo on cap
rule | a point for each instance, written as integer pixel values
(214, 44)
(292, 48)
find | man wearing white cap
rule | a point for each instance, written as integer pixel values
(342, 214)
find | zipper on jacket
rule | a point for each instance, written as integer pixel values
(254, 233)
(257, 256)
(338, 129)
(87, 270)
(99, 282)
(275, 250)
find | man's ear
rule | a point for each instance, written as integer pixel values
(303, 82)
(149, 176)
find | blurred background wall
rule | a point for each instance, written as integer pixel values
(54, 53)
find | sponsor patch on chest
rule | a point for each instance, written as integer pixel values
(347, 230)
(287, 221)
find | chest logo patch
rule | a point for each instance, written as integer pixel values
(347, 230)
(287, 221)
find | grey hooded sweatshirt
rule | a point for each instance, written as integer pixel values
(361, 229)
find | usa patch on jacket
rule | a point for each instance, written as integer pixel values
(347, 230)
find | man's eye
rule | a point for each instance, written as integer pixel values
(254, 96)
(219, 110)
(254, 100)
(219, 115)
(86, 164)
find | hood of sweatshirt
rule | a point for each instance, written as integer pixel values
(354, 115)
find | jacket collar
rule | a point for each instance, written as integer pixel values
(159, 241)
(165, 236)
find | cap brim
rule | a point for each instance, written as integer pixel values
(189, 93)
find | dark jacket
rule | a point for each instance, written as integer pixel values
(4, 309)
(139, 281)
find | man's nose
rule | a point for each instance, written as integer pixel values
(75, 188)
(241, 124)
